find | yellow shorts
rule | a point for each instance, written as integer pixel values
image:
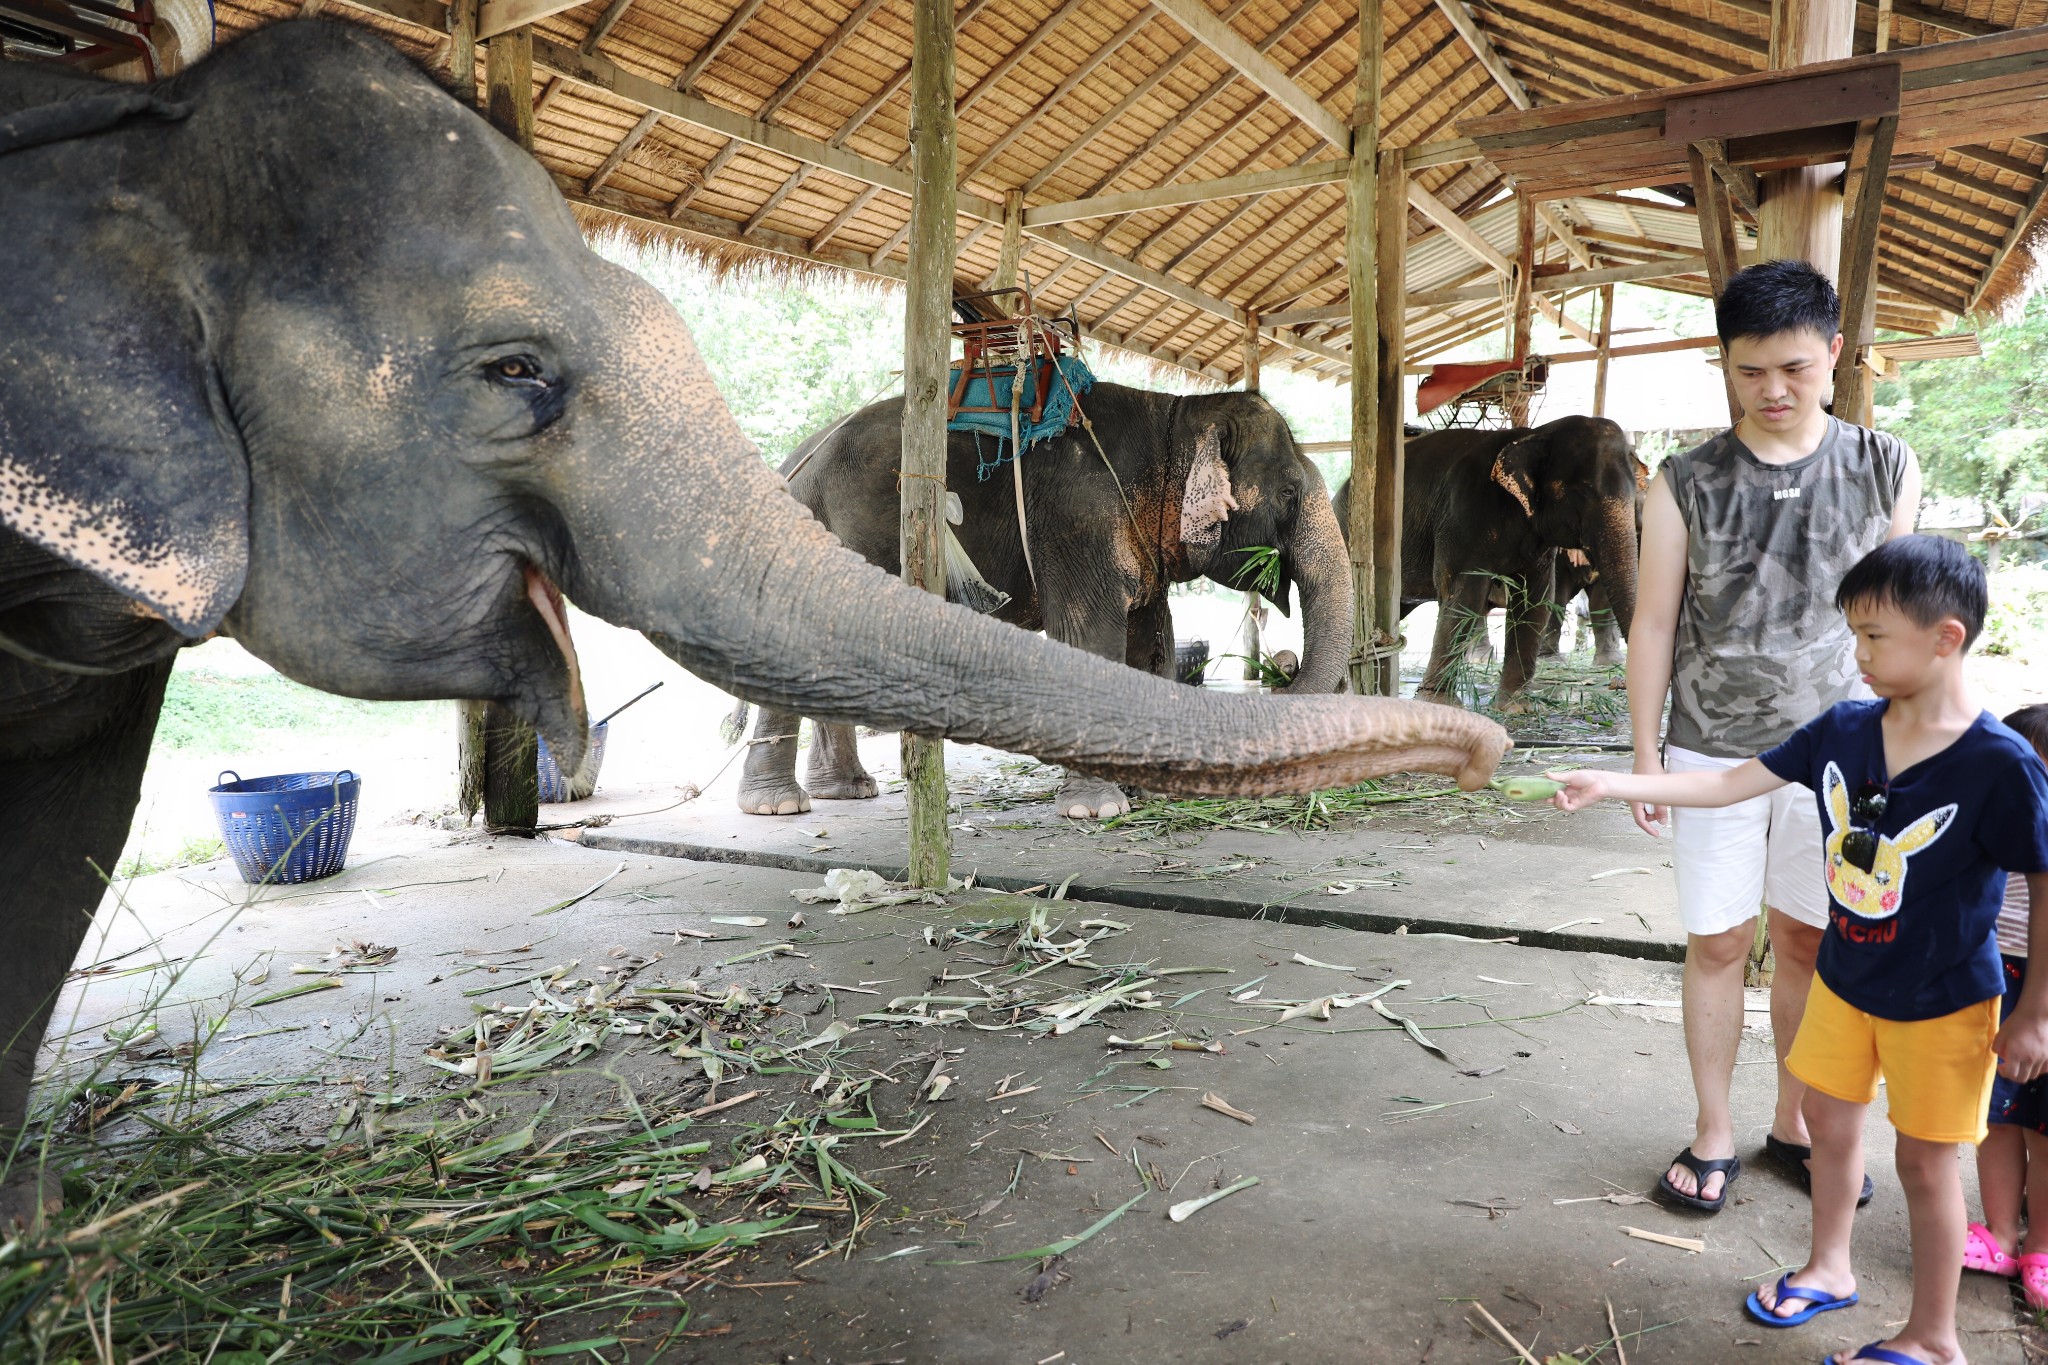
(1939, 1071)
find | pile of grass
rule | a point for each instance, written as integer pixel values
(1302, 814)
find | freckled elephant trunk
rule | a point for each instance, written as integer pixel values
(748, 591)
(1615, 556)
(1322, 570)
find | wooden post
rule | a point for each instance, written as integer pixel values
(1800, 214)
(1249, 352)
(927, 342)
(462, 49)
(1524, 307)
(1603, 343)
(1390, 226)
(1717, 238)
(1863, 198)
(497, 754)
(508, 84)
(1010, 258)
(1250, 647)
(1884, 36)
(1361, 262)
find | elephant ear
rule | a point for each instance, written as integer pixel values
(1514, 471)
(115, 454)
(1206, 503)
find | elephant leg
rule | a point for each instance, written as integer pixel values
(1460, 617)
(70, 775)
(1607, 646)
(1148, 638)
(768, 784)
(1552, 644)
(835, 772)
(1528, 618)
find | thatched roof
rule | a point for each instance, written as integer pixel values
(779, 127)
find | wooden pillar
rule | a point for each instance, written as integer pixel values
(1717, 238)
(1863, 196)
(508, 84)
(1361, 262)
(1010, 258)
(1800, 214)
(927, 342)
(462, 49)
(1603, 343)
(497, 754)
(1249, 352)
(1525, 298)
(1390, 226)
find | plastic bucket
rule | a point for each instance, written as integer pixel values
(294, 827)
(554, 783)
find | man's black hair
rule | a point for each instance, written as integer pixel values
(1926, 577)
(2032, 724)
(1774, 297)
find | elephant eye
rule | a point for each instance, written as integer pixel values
(516, 371)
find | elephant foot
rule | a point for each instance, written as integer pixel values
(858, 787)
(1440, 698)
(777, 798)
(1514, 706)
(28, 1196)
(1609, 658)
(1083, 798)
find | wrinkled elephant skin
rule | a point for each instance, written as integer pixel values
(1485, 518)
(299, 350)
(1180, 489)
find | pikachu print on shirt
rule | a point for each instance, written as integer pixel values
(1875, 894)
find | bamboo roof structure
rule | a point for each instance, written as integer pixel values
(1181, 163)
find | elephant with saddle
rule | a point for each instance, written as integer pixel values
(1486, 516)
(299, 350)
(1179, 488)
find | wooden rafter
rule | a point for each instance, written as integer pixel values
(1198, 19)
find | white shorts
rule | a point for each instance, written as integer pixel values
(1763, 851)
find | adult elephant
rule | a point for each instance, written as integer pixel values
(300, 351)
(1180, 488)
(1484, 516)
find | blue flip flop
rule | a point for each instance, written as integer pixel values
(1879, 1352)
(1822, 1302)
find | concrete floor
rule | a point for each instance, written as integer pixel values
(1377, 1224)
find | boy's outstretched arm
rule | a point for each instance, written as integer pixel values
(2022, 1042)
(1724, 787)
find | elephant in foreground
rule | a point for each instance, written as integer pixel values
(1181, 489)
(300, 351)
(1484, 516)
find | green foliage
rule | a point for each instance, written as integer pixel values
(1979, 424)
(227, 714)
(2017, 621)
(1258, 570)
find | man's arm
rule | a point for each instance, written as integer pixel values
(2022, 1042)
(1906, 509)
(1720, 787)
(1653, 633)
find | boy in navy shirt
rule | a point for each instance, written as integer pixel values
(1927, 801)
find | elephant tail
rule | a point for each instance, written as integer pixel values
(733, 728)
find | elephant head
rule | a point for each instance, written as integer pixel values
(1580, 486)
(305, 353)
(1249, 486)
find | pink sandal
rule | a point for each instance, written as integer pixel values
(1981, 1252)
(2033, 1272)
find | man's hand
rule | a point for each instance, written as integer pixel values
(1651, 820)
(2022, 1046)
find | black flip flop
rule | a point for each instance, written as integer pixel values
(1727, 1167)
(1792, 1159)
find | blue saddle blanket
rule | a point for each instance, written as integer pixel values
(1074, 380)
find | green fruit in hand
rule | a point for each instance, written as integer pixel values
(1526, 788)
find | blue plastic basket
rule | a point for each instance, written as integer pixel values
(294, 827)
(554, 783)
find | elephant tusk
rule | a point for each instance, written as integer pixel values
(547, 600)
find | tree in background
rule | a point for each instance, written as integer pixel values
(1979, 423)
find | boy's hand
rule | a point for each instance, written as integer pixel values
(1581, 787)
(1651, 820)
(2022, 1046)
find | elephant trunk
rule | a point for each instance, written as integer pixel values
(1322, 571)
(744, 588)
(1614, 552)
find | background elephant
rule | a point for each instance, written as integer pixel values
(1574, 574)
(1189, 483)
(299, 350)
(1483, 518)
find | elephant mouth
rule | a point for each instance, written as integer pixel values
(547, 600)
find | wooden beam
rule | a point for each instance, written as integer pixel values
(1717, 236)
(927, 341)
(1010, 256)
(2023, 223)
(1451, 152)
(1390, 226)
(727, 31)
(1363, 269)
(1040, 107)
(1199, 20)
(461, 20)
(617, 157)
(606, 22)
(1603, 343)
(1561, 319)
(1456, 228)
(1740, 180)
(1192, 192)
(502, 16)
(1520, 316)
(1468, 29)
(1248, 354)
(1862, 215)
(508, 83)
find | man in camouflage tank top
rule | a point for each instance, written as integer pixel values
(1744, 541)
